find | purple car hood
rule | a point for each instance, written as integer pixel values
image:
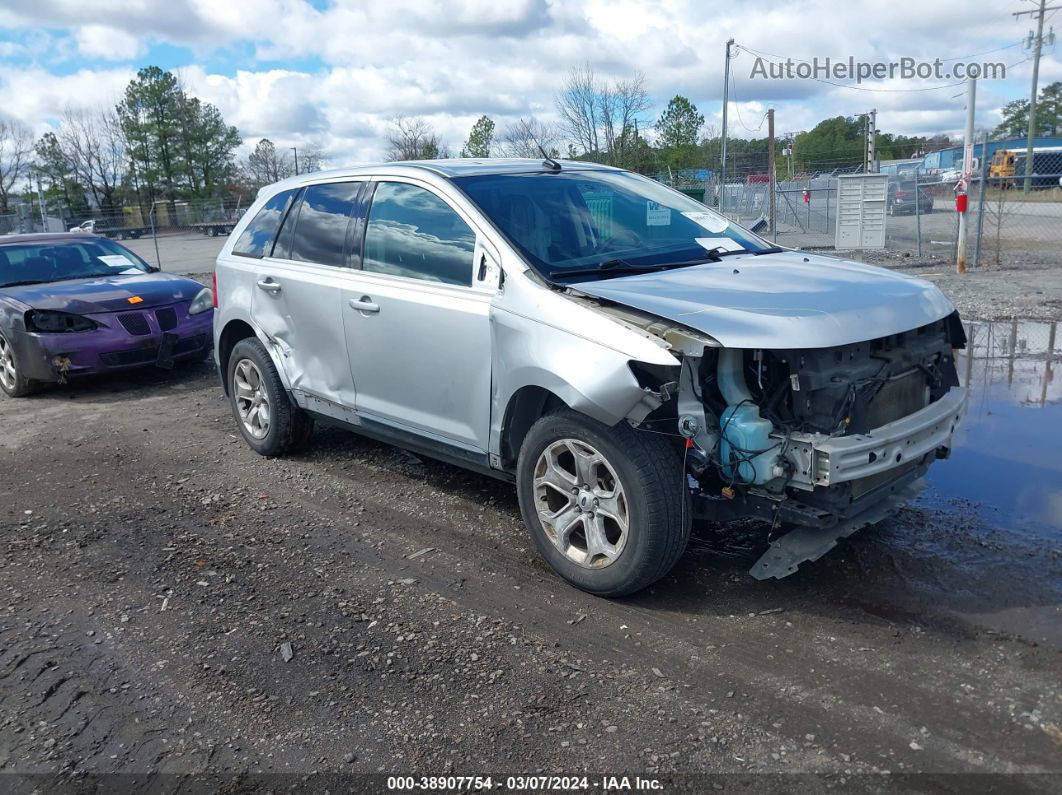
(105, 293)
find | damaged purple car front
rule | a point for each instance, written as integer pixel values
(74, 305)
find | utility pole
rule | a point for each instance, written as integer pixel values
(871, 159)
(40, 201)
(1037, 46)
(771, 172)
(726, 101)
(296, 151)
(967, 168)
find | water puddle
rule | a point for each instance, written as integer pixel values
(1007, 458)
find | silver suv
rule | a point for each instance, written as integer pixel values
(626, 356)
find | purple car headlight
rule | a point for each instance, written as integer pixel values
(51, 322)
(203, 301)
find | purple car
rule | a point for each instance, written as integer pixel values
(75, 304)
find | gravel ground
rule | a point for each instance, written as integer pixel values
(1029, 287)
(171, 602)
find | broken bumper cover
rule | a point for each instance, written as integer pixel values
(56, 357)
(820, 460)
(811, 543)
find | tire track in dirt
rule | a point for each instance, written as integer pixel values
(347, 515)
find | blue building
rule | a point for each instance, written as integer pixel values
(951, 157)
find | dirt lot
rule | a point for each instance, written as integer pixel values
(153, 568)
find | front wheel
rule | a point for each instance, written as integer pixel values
(269, 422)
(607, 507)
(11, 379)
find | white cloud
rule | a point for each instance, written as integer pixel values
(111, 44)
(452, 61)
(39, 98)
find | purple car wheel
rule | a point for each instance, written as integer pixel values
(11, 380)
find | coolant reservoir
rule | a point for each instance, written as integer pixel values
(745, 437)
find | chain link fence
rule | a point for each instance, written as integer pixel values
(177, 234)
(1007, 222)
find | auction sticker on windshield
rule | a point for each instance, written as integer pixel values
(725, 243)
(655, 215)
(713, 223)
(116, 260)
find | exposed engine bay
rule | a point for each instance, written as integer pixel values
(819, 442)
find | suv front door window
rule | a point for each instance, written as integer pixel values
(413, 233)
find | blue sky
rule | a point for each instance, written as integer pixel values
(332, 74)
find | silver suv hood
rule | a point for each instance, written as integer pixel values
(784, 300)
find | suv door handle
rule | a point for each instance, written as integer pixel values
(364, 304)
(269, 285)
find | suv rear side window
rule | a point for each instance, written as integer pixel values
(321, 226)
(257, 239)
(412, 232)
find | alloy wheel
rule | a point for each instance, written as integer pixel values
(581, 503)
(252, 400)
(8, 374)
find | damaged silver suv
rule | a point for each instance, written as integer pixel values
(626, 356)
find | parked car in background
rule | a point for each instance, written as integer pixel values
(950, 176)
(115, 228)
(74, 304)
(900, 198)
(626, 356)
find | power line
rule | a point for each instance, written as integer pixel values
(737, 111)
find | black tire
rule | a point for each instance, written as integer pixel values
(19, 385)
(651, 470)
(289, 427)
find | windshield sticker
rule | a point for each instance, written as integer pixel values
(710, 221)
(116, 260)
(655, 215)
(725, 243)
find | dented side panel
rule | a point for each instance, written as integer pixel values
(591, 379)
(303, 323)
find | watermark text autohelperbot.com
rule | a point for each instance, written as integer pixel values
(850, 69)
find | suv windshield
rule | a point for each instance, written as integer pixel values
(571, 223)
(57, 260)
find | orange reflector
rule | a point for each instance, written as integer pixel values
(136, 299)
(689, 443)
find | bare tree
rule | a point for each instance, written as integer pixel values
(523, 137)
(92, 143)
(599, 117)
(310, 159)
(16, 148)
(621, 103)
(413, 139)
(579, 106)
(266, 165)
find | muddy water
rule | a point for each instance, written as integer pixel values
(984, 541)
(1007, 460)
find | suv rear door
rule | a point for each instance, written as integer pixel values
(298, 297)
(417, 317)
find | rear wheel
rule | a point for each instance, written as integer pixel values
(270, 424)
(607, 507)
(11, 379)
